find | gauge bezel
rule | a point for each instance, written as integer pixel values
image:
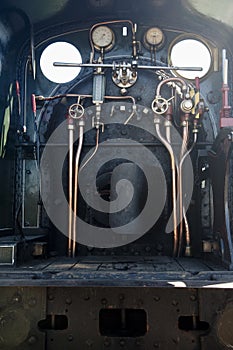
(158, 46)
(189, 36)
(100, 47)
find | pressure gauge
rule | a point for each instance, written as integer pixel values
(103, 38)
(154, 38)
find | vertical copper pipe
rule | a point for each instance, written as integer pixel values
(77, 158)
(180, 182)
(187, 231)
(187, 234)
(95, 150)
(168, 123)
(173, 169)
(71, 141)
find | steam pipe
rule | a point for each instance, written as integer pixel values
(187, 234)
(173, 168)
(180, 180)
(168, 123)
(77, 158)
(71, 141)
(42, 98)
(105, 23)
(168, 80)
(94, 152)
(187, 231)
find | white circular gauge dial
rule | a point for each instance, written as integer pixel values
(154, 36)
(102, 37)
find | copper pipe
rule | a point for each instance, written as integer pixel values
(168, 80)
(121, 98)
(168, 131)
(77, 158)
(173, 168)
(188, 241)
(187, 231)
(168, 125)
(168, 122)
(105, 23)
(71, 141)
(180, 182)
(95, 150)
(50, 98)
(131, 115)
(42, 98)
(97, 131)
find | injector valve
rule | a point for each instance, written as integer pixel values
(186, 105)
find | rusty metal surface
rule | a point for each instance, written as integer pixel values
(20, 310)
(73, 318)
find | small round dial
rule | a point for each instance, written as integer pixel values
(102, 38)
(154, 37)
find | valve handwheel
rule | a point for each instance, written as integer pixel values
(159, 105)
(76, 111)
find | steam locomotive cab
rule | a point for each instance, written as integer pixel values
(116, 172)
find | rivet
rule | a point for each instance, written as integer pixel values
(107, 343)
(176, 340)
(16, 298)
(122, 342)
(140, 302)
(32, 340)
(68, 301)
(89, 343)
(121, 297)
(70, 337)
(32, 302)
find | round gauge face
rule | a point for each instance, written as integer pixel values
(103, 37)
(154, 36)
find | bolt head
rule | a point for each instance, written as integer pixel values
(32, 340)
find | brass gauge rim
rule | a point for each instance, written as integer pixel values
(149, 43)
(103, 38)
(190, 36)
